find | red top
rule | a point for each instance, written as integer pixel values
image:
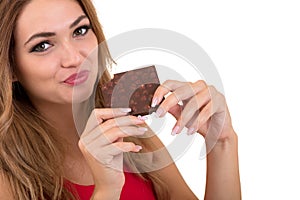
(134, 188)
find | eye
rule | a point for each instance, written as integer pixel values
(41, 47)
(81, 31)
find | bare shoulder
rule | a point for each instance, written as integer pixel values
(5, 190)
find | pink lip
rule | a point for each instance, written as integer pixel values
(77, 78)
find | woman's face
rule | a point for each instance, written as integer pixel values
(52, 41)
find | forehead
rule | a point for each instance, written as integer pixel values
(42, 15)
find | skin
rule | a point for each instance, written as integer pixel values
(42, 72)
(55, 59)
(42, 66)
(93, 161)
(204, 111)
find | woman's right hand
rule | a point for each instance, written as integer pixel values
(102, 145)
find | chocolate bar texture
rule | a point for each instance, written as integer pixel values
(132, 89)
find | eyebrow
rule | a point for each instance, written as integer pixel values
(77, 21)
(49, 34)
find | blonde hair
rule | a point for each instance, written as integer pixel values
(30, 154)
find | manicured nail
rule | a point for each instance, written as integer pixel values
(159, 112)
(138, 147)
(144, 129)
(190, 131)
(154, 102)
(143, 118)
(175, 130)
(125, 110)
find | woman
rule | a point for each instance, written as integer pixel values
(42, 47)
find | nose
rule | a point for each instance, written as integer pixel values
(70, 56)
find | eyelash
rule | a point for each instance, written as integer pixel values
(86, 27)
(35, 48)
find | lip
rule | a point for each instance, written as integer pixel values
(77, 78)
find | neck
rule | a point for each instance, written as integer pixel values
(68, 120)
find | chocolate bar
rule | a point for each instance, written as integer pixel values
(132, 89)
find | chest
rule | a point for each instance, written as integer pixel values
(134, 188)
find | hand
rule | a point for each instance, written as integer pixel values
(102, 146)
(197, 106)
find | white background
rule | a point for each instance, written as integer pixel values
(255, 46)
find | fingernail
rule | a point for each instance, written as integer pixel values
(190, 131)
(159, 112)
(144, 129)
(138, 147)
(143, 118)
(175, 130)
(125, 110)
(154, 102)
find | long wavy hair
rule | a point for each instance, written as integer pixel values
(31, 154)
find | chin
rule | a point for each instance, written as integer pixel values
(81, 95)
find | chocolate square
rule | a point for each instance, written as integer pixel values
(133, 89)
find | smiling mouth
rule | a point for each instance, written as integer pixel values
(77, 78)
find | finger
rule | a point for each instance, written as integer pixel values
(109, 113)
(192, 107)
(122, 121)
(121, 132)
(97, 116)
(176, 111)
(112, 135)
(110, 124)
(213, 107)
(164, 89)
(182, 93)
(120, 147)
(201, 122)
(106, 154)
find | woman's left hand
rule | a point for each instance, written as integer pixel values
(197, 106)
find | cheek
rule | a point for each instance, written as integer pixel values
(34, 70)
(89, 46)
(90, 54)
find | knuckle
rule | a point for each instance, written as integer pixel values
(167, 82)
(123, 131)
(99, 119)
(176, 96)
(215, 93)
(110, 123)
(97, 115)
(201, 83)
(194, 102)
(116, 132)
(96, 112)
(212, 89)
